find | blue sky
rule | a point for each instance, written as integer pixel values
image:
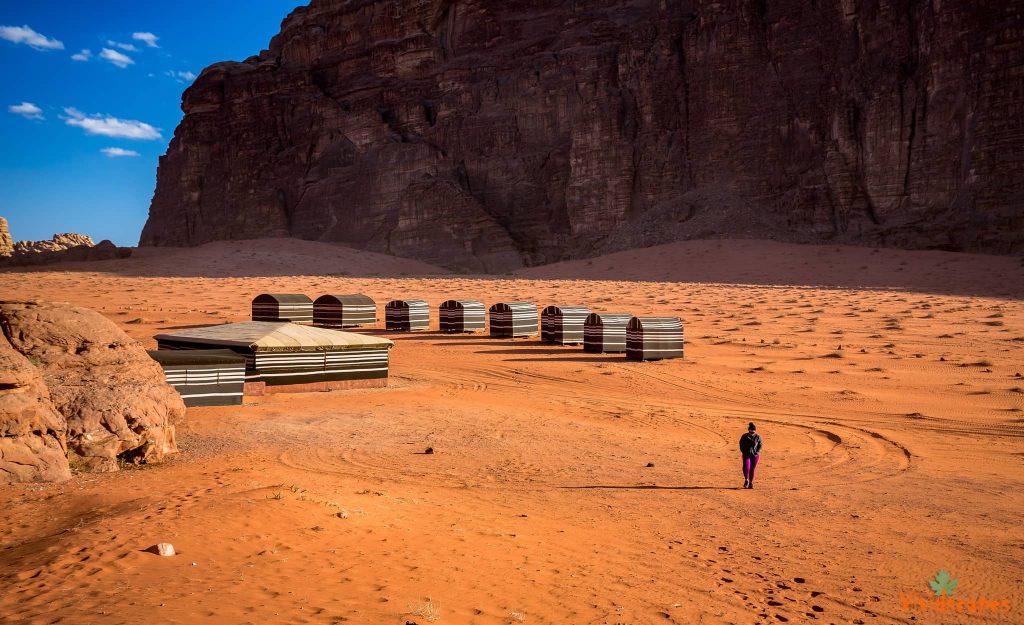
(81, 132)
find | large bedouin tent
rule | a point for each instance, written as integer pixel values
(462, 315)
(512, 319)
(282, 354)
(208, 377)
(654, 338)
(293, 307)
(344, 311)
(407, 315)
(605, 332)
(563, 324)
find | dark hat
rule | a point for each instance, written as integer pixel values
(751, 426)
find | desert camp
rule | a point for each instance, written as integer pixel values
(324, 312)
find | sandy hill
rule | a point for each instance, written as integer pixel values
(263, 257)
(771, 263)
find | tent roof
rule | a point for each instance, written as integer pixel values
(275, 336)
(348, 298)
(182, 357)
(284, 298)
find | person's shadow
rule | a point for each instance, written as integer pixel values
(647, 487)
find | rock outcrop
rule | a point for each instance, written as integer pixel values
(60, 242)
(104, 250)
(112, 396)
(482, 134)
(6, 244)
(33, 434)
(63, 247)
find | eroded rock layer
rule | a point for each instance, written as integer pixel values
(33, 435)
(484, 135)
(109, 392)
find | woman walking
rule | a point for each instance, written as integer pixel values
(750, 447)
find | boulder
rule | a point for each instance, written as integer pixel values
(110, 392)
(32, 433)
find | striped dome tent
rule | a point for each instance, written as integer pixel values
(605, 332)
(563, 324)
(407, 315)
(204, 377)
(344, 311)
(654, 338)
(293, 307)
(512, 319)
(462, 315)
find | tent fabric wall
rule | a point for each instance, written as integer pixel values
(654, 338)
(605, 332)
(293, 307)
(513, 319)
(462, 316)
(407, 315)
(204, 378)
(563, 324)
(344, 311)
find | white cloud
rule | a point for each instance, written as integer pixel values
(148, 38)
(109, 126)
(84, 55)
(127, 47)
(115, 152)
(185, 76)
(26, 110)
(115, 57)
(29, 37)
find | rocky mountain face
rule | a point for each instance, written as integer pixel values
(485, 135)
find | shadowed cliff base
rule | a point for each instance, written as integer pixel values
(751, 262)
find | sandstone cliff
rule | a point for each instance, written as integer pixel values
(484, 135)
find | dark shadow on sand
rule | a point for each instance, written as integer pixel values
(535, 350)
(591, 358)
(647, 487)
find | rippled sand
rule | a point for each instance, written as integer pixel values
(886, 385)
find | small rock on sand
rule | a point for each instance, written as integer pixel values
(165, 549)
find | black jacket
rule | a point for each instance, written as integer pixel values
(750, 444)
